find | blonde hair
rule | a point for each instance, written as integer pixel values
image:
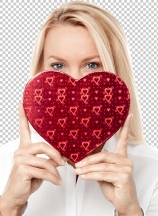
(112, 46)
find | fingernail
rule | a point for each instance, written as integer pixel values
(131, 116)
(60, 181)
(78, 164)
(78, 170)
(20, 102)
(63, 162)
(65, 159)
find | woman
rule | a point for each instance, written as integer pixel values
(118, 178)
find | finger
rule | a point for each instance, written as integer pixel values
(65, 158)
(103, 167)
(53, 162)
(107, 177)
(104, 156)
(25, 137)
(41, 148)
(33, 172)
(123, 137)
(38, 162)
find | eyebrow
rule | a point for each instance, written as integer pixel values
(86, 59)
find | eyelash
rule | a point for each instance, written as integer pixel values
(58, 63)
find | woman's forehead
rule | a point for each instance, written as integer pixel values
(68, 35)
(69, 39)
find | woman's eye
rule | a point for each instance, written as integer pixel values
(57, 66)
(93, 65)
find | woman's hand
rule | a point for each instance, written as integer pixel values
(113, 171)
(29, 171)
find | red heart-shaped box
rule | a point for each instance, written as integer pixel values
(76, 116)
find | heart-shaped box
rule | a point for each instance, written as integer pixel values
(76, 116)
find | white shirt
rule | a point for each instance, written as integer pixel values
(85, 198)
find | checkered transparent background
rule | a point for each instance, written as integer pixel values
(19, 26)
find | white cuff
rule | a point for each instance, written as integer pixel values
(24, 209)
(143, 211)
(116, 214)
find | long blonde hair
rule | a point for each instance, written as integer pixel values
(112, 46)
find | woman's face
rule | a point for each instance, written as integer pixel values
(71, 50)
